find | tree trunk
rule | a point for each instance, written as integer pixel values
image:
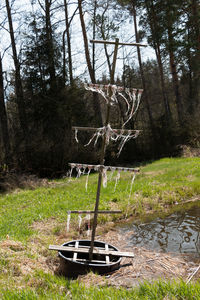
(85, 40)
(3, 119)
(94, 34)
(18, 86)
(173, 67)
(67, 26)
(196, 60)
(96, 104)
(154, 31)
(142, 73)
(51, 63)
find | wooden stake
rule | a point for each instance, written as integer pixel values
(103, 151)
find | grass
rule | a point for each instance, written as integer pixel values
(51, 287)
(31, 219)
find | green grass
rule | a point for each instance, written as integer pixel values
(158, 187)
(52, 287)
(163, 182)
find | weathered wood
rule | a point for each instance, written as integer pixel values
(75, 253)
(107, 256)
(92, 261)
(119, 43)
(92, 211)
(103, 151)
(108, 168)
(113, 129)
(95, 251)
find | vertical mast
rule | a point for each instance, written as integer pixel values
(103, 151)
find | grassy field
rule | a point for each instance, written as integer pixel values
(30, 220)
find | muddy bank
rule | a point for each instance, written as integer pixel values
(146, 265)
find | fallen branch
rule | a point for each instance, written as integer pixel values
(192, 275)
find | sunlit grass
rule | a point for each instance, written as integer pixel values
(52, 287)
(160, 184)
(166, 181)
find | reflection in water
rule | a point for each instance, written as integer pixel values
(178, 232)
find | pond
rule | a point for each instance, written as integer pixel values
(178, 232)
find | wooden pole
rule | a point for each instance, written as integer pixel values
(103, 155)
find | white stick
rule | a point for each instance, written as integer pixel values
(76, 135)
(133, 178)
(68, 220)
(88, 219)
(117, 179)
(86, 183)
(105, 179)
(79, 222)
(197, 269)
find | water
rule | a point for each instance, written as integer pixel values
(178, 232)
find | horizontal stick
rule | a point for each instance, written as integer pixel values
(120, 43)
(109, 168)
(92, 261)
(95, 251)
(95, 129)
(92, 211)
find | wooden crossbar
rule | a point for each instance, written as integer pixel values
(95, 251)
(75, 253)
(109, 168)
(119, 43)
(95, 129)
(93, 261)
(107, 256)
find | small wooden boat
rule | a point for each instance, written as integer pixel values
(75, 261)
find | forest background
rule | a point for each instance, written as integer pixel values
(43, 95)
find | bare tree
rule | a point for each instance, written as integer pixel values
(18, 84)
(150, 114)
(96, 104)
(67, 32)
(3, 119)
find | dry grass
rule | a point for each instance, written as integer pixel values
(13, 181)
(146, 265)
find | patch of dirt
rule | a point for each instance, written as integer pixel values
(188, 151)
(12, 245)
(45, 226)
(154, 173)
(10, 181)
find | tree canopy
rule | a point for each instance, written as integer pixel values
(42, 94)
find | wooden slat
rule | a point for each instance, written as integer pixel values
(75, 253)
(109, 168)
(95, 129)
(107, 256)
(91, 261)
(95, 251)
